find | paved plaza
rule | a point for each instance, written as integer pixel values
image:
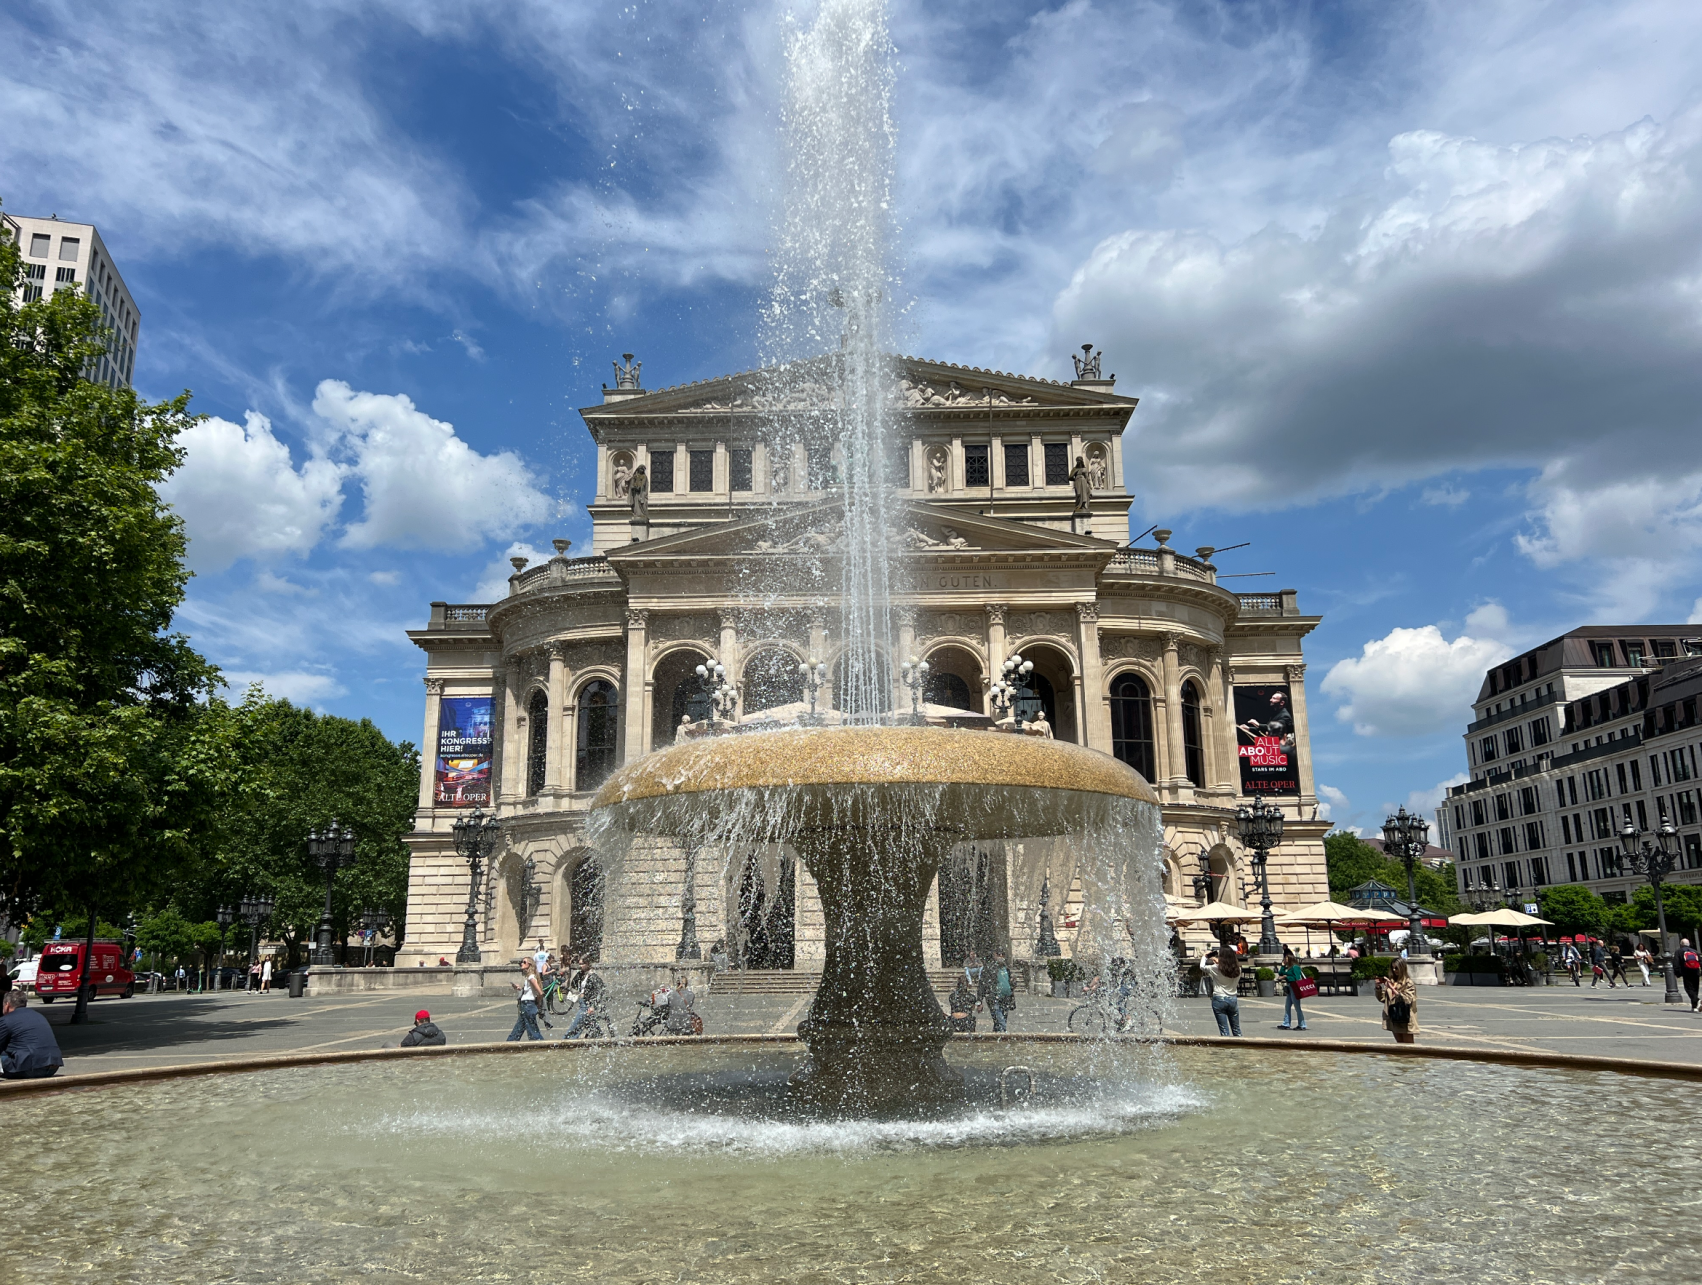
(170, 1029)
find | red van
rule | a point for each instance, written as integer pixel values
(61, 969)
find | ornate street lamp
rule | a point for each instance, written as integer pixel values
(688, 947)
(475, 840)
(723, 696)
(1007, 691)
(1655, 861)
(1405, 837)
(255, 911)
(1047, 947)
(373, 923)
(225, 917)
(1260, 827)
(814, 674)
(914, 674)
(332, 848)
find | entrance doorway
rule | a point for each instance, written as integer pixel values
(768, 923)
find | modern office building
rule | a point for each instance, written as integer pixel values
(1571, 740)
(59, 256)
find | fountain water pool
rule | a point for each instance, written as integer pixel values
(605, 1165)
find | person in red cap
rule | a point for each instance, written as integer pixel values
(425, 1032)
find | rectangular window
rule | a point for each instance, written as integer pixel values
(1693, 851)
(1601, 822)
(1566, 830)
(1654, 769)
(662, 473)
(1510, 869)
(32, 292)
(1623, 787)
(1571, 868)
(1633, 651)
(1677, 768)
(35, 271)
(1593, 786)
(1486, 749)
(1477, 812)
(702, 474)
(1459, 817)
(1513, 740)
(1509, 843)
(1636, 775)
(1533, 836)
(1540, 734)
(1503, 807)
(1057, 463)
(739, 470)
(1528, 801)
(1608, 861)
(1572, 790)
(1685, 803)
(1603, 652)
(40, 242)
(1642, 816)
(65, 276)
(1016, 463)
(1483, 845)
(69, 248)
(1539, 872)
(975, 467)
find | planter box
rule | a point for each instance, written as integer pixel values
(1267, 990)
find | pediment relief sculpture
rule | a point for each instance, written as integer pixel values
(937, 624)
(1129, 647)
(924, 393)
(1030, 624)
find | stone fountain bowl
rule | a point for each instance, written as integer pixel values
(872, 812)
(974, 784)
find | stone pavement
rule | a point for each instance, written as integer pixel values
(163, 1030)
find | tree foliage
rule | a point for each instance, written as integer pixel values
(108, 778)
(1574, 909)
(1351, 861)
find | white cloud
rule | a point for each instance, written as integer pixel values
(1413, 682)
(1425, 802)
(1695, 617)
(241, 495)
(425, 488)
(266, 582)
(1448, 497)
(385, 577)
(303, 687)
(493, 581)
(1331, 800)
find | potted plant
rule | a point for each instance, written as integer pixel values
(1062, 972)
(1267, 979)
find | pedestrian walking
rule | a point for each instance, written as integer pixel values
(1644, 960)
(28, 1050)
(1400, 1003)
(266, 974)
(995, 990)
(425, 1033)
(1222, 971)
(182, 978)
(1689, 969)
(1616, 966)
(588, 988)
(529, 993)
(1291, 972)
(1598, 962)
(254, 976)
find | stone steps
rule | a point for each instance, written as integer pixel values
(789, 981)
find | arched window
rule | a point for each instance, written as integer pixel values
(537, 740)
(948, 690)
(599, 713)
(1193, 745)
(1131, 725)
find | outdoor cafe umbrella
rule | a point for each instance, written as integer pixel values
(1215, 913)
(1502, 917)
(1327, 914)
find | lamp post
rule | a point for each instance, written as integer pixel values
(1260, 827)
(226, 917)
(1655, 861)
(372, 923)
(331, 848)
(1007, 691)
(1047, 946)
(475, 841)
(255, 911)
(723, 696)
(1405, 837)
(688, 947)
(914, 674)
(814, 674)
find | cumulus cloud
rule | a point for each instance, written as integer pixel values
(1415, 682)
(303, 687)
(1425, 802)
(424, 487)
(1331, 801)
(1447, 497)
(241, 495)
(493, 580)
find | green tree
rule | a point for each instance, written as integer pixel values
(167, 935)
(1574, 909)
(108, 777)
(1351, 861)
(1683, 902)
(298, 771)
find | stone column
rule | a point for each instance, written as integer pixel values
(728, 653)
(1173, 712)
(1096, 712)
(555, 747)
(995, 647)
(906, 618)
(818, 636)
(428, 750)
(513, 735)
(1222, 764)
(1296, 675)
(635, 690)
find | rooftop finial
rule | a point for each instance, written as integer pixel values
(627, 376)
(1087, 365)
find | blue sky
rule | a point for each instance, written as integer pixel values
(1411, 293)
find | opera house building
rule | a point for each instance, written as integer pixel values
(1009, 537)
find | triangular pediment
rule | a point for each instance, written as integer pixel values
(918, 529)
(918, 387)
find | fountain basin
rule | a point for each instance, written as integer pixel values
(644, 1163)
(872, 812)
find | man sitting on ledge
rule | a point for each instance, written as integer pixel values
(425, 1032)
(28, 1050)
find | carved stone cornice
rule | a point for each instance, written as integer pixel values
(995, 613)
(1172, 641)
(1087, 612)
(637, 618)
(1294, 673)
(433, 686)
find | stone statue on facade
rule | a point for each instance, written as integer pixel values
(1096, 470)
(936, 470)
(1082, 481)
(639, 487)
(620, 482)
(627, 376)
(1087, 365)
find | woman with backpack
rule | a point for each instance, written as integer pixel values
(1689, 970)
(1400, 1003)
